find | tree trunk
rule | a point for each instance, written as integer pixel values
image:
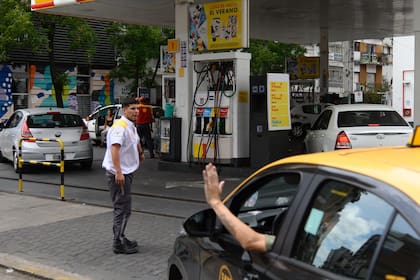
(55, 75)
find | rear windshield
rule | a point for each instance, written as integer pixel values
(54, 120)
(370, 118)
(312, 109)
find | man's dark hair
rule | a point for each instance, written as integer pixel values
(126, 102)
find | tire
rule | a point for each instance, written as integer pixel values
(297, 130)
(86, 164)
(2, 158)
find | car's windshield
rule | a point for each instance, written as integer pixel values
(54, 120)
(370, 118)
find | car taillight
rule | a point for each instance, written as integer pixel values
(85, 133)
(26, 133)
(342, 142)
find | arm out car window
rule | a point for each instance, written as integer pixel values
(341, 230)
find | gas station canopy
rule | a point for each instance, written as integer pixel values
(292, 21)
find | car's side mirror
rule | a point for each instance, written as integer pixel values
(201, 224)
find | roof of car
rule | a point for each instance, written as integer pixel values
(40, 110)
(397, 166)
(351, 107)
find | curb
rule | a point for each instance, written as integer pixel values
(36, 269)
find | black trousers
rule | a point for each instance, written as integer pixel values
(145, 132)
(121, 201)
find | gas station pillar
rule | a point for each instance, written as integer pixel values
(416, 111)
(183, 80)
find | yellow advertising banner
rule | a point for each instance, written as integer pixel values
(224, 24)
(173, 45)
(304, 67)
(278, 102)
(219, 25)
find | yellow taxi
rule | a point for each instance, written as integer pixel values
(348, 214)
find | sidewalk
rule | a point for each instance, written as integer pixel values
(64, 240)
(71, 240)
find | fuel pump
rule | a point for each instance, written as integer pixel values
(217, 106)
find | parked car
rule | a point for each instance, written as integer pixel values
(96, 120)
(357, 126)
(334, 215)
(51, 123)
(303, 115)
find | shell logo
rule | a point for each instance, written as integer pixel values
(224, 273)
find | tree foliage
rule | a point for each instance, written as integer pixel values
(135, 46)
(80, 35)
(270, 56)
(21, 28)
(16, 28)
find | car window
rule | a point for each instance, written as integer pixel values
(54, 120)
(341, 230)
(312, 109)
(322, 121)
(270, 197)
(400, 255)
(14, 120)
(370, 118)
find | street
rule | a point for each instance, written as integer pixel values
(75, 235)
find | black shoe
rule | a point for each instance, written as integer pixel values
(130, 244)
(124, 249)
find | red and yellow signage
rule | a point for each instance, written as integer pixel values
(46, 4)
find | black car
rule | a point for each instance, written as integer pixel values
(333, 216)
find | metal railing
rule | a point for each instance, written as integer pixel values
(21, 161)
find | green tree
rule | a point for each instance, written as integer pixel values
(135, 46)
(270, 56)
(16, 28)
(80, 35)
(21, 28)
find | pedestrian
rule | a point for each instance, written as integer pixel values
(144, 124)
(122, 157)
(246, 236)
(109, 120)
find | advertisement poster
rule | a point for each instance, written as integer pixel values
(167, 60)
(278, 104)
(304, 67)
(219, 26)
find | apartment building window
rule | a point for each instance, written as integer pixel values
(357, 46)
(336, 76)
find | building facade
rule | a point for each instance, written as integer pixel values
(25, 80)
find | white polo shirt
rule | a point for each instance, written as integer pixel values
(123, 132)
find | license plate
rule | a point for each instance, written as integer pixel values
(53, 157)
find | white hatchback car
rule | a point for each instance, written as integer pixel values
(303, 115)
(96, 120)
(357, 126)
(52, 123)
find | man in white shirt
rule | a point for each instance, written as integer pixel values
(122, 157)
